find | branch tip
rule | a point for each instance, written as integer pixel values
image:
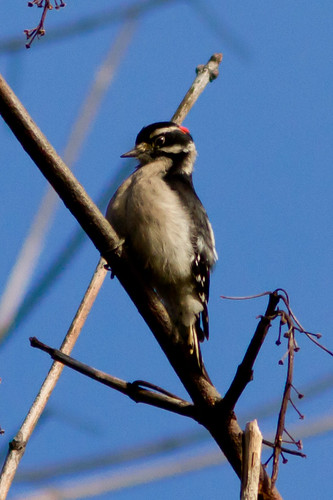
(34, 342)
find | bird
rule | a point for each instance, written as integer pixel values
(165, 228)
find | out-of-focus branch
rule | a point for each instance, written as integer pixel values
(133, 476)
(105, 483)
(176, 441)
(135, 391)
(55, 171)
(27, 259)
(65, 255)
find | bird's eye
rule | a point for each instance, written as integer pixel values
(160, 141)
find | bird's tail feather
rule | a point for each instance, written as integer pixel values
(194, 346)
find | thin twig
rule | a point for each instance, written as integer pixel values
(318, 344)
(139, 384)
(246, 297)
(40, 29)
(245, 369)
(301, 416)
(284, 449)
(244, 372)
(284, 406)
(292, 440)
(89, 23)
(299, 327)
(133, 390)
(19, 443)
(205, 74)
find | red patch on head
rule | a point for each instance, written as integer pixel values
(184, 129)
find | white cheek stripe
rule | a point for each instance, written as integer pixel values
(163, 130)
(175, 149)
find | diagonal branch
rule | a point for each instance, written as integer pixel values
(245, 369)
(18, 444)
(220, 422)
(96, 226)
(19, 118)
(205, 73)
(132, 390)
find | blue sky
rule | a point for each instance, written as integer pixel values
(263, 131)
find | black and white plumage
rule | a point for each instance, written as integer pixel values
(162, 222)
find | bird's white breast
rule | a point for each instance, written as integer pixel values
(156, 224)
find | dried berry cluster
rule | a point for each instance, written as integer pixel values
(40, 30)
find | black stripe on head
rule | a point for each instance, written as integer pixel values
(148, 134)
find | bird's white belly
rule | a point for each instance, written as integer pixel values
(160, 230)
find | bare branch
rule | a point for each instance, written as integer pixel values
(285, 400)
(18, 445)
(205, 73)
(299, 327)
(245, 369)
(284, 449)
(131, 389)
(246, 297)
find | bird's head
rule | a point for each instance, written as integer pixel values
(163, 139)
